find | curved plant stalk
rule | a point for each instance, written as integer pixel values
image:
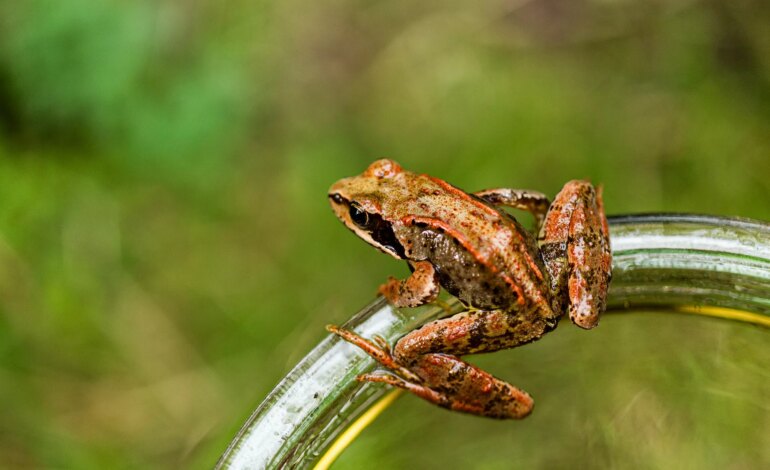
(693, 264)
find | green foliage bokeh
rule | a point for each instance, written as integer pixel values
(167, 252)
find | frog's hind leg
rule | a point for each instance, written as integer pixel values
(575, 246)
(432, 351)
(425, 361)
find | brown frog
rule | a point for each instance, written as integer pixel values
(514, 284)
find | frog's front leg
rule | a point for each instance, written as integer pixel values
(418, 289)
(533, 202)
(437, 374)
(575, 247)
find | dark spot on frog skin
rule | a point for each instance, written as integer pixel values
(476, 335)
(551, 251)
(438, 340)
(455, 375)
(551, 325)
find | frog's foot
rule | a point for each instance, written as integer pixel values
(460, 386)
(380, 352)
(418, 289)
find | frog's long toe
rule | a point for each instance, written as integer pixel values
(426, 393)
(380, 351)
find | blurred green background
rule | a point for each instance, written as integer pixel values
(167, 252)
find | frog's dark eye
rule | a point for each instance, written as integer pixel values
(359, 217)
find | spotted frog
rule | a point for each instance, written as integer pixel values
(514, 284)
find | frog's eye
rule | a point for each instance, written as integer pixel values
(358, 216)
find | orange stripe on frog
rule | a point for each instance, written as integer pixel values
(490, 211)
(463, 195)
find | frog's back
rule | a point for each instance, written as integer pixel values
(481, 254)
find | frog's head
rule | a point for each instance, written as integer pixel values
(365, 204)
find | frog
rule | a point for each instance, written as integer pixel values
(514, 283)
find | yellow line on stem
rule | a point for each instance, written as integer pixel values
(349, 435)
(726, 313)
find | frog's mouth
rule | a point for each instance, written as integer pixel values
(377, 231)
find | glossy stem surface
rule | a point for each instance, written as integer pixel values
(666, 260)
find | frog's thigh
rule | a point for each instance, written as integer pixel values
(445, 379)
(575, 244)
(471, 332)
(534, 202)
(418, 289)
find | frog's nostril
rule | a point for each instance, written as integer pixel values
(336, 198)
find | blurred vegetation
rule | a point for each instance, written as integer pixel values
(167, 253)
